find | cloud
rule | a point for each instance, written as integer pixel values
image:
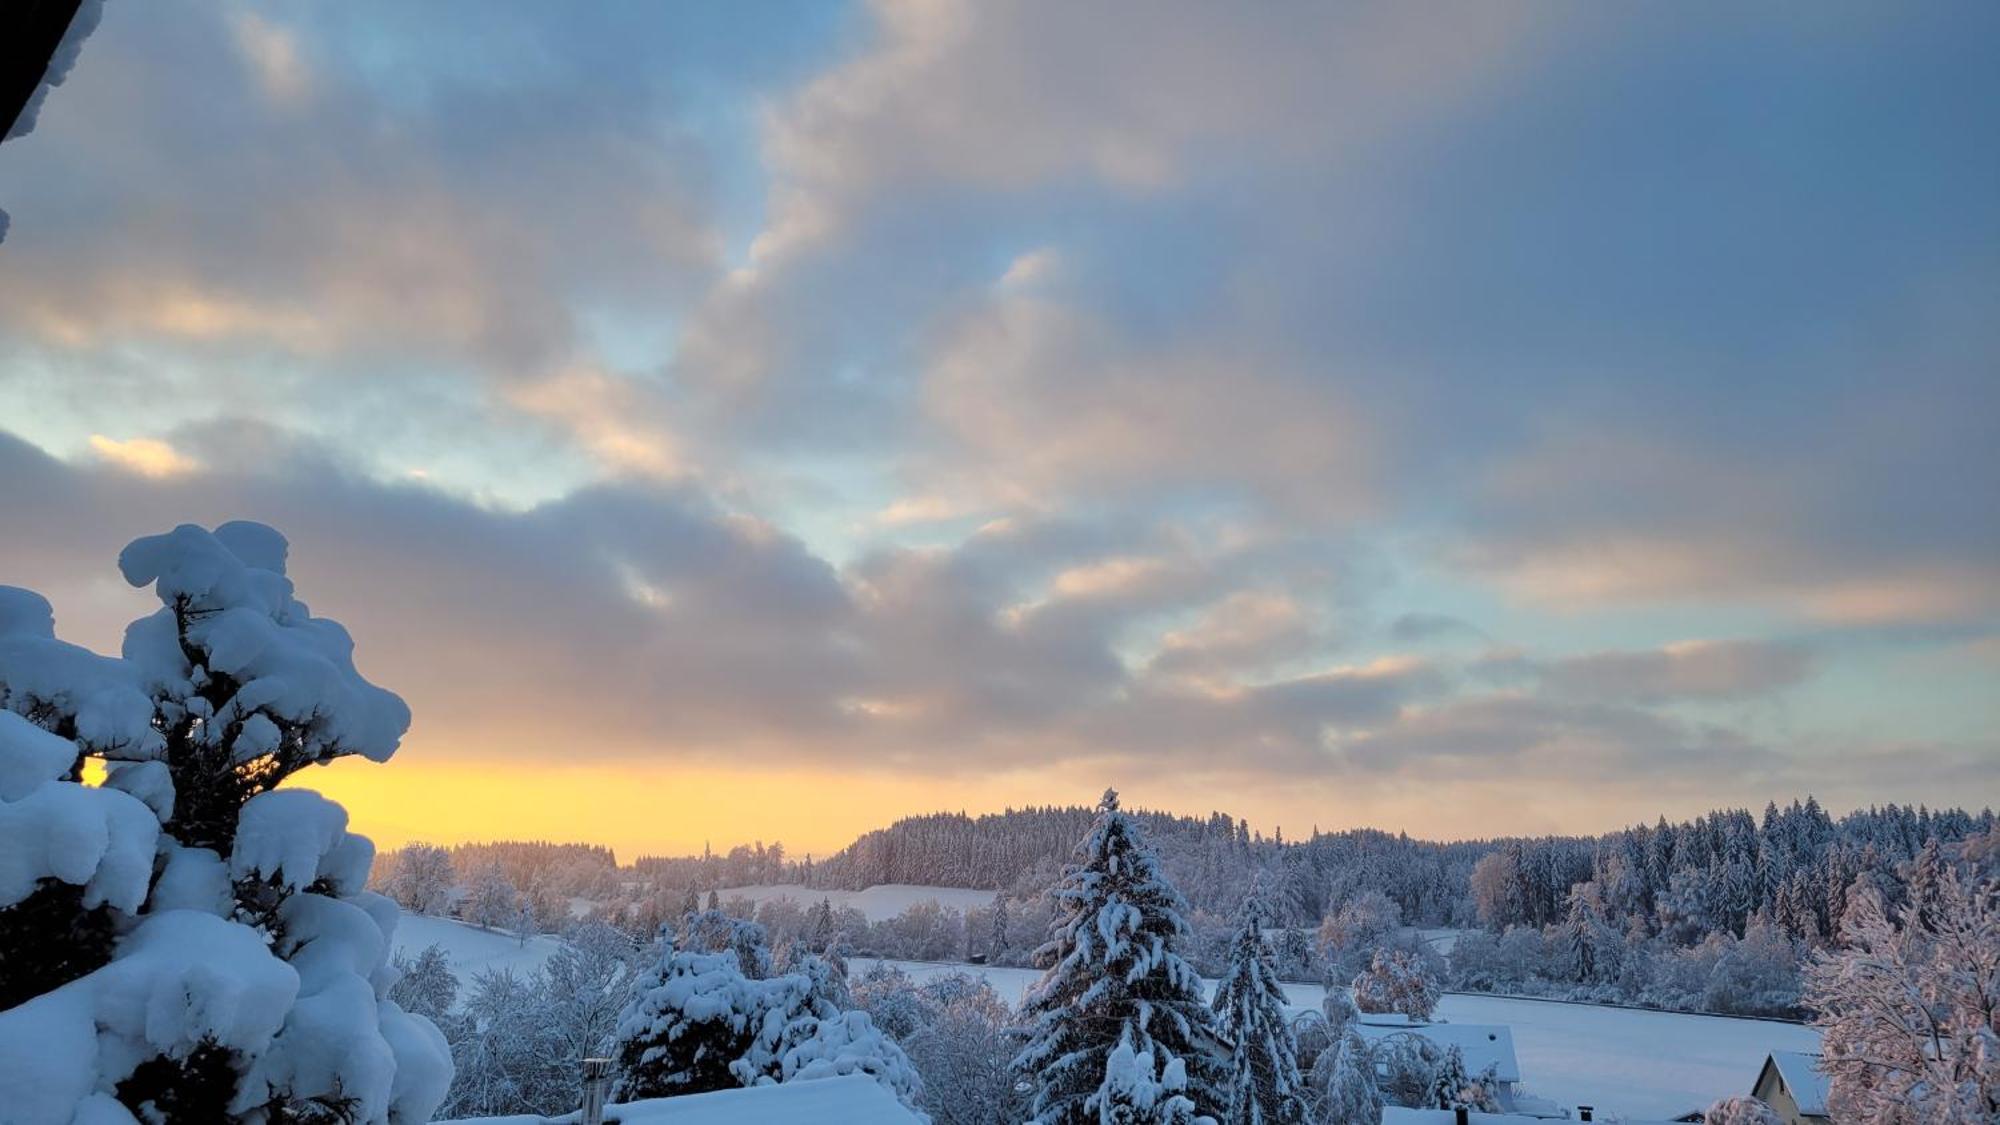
(274, 56)
(1688, 670)
(146, 456)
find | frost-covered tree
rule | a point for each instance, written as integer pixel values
(1342, 1084)
(425, 985)
(696, 1022)
(1909, 1010)
(423, 879)
(996, 944)
(1741, 1109)
(195, 944)
(491, 901)
(1249, 1004)
(1397, 980)
(1115, 977)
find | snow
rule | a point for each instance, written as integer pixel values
(181, 977)
(98, 839)
(851, 1100)
(30, 756)
(42, 675)
(1640, 1063)
(471, 950)
(878, 903)
(294, 668)
(1803, 1079)
(285, 836)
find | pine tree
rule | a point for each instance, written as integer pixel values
(245, 940)
(821, 938)
(1264, 1084)
(690, 901)
(996, 947)
(1115, 977)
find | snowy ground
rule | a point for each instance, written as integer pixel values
(1637, 1063)
(469, 948)
(879, 903)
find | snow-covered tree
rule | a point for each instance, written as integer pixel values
(491, 901)
(696, 1022)
(1342, 1084)
(1115, 980)
(423, 879)
(996, 944)
(1741, 1109)
(1910, 1008)
(1397, 980)
(425, 986)
(1249, 1005)
(195, 943)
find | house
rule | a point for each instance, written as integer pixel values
(1792, 1084)
(1482, 1045)
(853, 1099)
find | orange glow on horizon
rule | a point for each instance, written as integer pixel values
(664, 808)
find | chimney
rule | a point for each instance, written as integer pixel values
(1583, 1113)
(596, 1087)
(1461, 1115)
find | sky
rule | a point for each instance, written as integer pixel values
(757, 422)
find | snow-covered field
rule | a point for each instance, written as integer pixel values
(878, 903)
(469, 948)
(1636, 1063)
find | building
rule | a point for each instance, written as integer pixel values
(1482, 1045)
(1792, 1084)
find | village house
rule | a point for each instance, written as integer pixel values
(1792, 1084)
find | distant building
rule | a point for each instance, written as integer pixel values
(1792, 1084)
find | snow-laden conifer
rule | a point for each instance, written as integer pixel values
(188, 942)
(1115, 977)
(1264, 1087)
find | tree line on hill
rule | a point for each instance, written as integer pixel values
(1118, 1028)
(1715, 914)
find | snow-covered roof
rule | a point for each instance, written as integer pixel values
(852, 1099)
(1482, 1044)
(1803, 1080)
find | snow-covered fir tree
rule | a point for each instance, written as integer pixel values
(1116, 979)
(187, 942)
(1264, 1086)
